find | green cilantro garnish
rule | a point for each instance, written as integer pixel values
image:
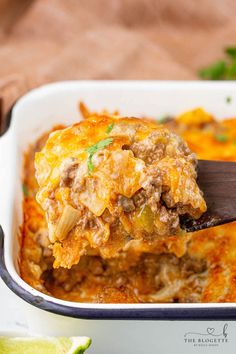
(163, 119)
(224, 69)
(25, 190)
(231, 51)
(215, 71)
(228, 99)
(94, 148)
(222, 138)
(99, 145)
(90, 164)
(110, 127)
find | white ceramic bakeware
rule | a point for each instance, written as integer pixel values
(37, 112)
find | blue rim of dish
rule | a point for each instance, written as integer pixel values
(190, 314)
(211, 313)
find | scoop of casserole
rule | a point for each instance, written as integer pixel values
(109, 180)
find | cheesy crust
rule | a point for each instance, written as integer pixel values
(109, 180)
(141, 273)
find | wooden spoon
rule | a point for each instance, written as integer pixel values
(217, 180)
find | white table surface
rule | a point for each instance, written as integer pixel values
(12, 317)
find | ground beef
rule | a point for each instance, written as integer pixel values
(170, 217)
(148, 150)
(68, 172)
(156, 146)
(125, 203)
(153, 187)
(140, 198)
(86, 220)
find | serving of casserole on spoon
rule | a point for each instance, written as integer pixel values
(109, 181)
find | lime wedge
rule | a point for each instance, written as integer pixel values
(48, 345)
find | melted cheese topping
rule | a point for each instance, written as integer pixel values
(141, 273)
(94, 175)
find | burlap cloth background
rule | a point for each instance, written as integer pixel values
(48, 40)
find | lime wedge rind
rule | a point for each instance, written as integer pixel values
(44, 345)
(79, 345)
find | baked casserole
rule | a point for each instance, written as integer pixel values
(113, 190)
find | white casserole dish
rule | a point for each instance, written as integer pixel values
(57, 103)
